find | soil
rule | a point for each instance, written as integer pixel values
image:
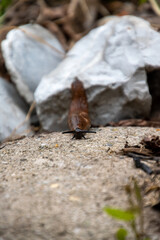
(53, 187)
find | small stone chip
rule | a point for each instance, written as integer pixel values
(54, 185)
(74, 199)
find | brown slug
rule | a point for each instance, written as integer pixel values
(78, 117)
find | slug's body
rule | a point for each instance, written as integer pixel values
(78, 117)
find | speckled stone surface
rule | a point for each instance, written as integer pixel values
(52, 187)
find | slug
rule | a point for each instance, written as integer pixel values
(78, 117)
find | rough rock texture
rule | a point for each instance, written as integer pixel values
(111, 61)
(55, 188)
(30, 52)
(12, 110)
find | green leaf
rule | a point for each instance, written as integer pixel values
(142, 1)
(121, 234)
(4, 4)
(123, 215)
(146, 238)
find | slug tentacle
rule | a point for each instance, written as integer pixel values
(78, 117)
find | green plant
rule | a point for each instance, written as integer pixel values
(133, 215)
(142, 1)
(4, 4)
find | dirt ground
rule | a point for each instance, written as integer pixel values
(52, 187)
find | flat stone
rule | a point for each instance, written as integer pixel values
(111, 61)
(30, 52)
(13, 110)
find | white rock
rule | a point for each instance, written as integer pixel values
(13, 110)
(111, 61)
(30, 52)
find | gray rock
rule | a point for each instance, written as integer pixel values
(30, 52)
(111, 61)
(13, 110)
